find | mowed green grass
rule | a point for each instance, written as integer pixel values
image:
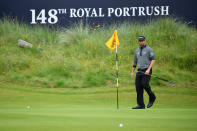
(94, 109)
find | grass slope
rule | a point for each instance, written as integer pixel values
(77, 56)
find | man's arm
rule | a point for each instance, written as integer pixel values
(134, 64)
(150, 66)
(152, 61)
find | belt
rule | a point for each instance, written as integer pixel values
(142, 69)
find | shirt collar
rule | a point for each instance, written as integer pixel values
(142, 46)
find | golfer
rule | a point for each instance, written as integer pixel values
(144, 60)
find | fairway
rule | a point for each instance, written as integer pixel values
(94, 109)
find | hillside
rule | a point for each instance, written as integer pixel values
(76, 57)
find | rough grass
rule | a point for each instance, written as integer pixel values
(77, 57)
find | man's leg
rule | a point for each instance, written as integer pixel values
(139, 90)
(145, 82)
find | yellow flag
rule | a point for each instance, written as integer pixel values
(113, 41)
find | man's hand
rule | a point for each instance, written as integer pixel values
(150, 66)
(147, 72)
(131, 75)
(133, 70)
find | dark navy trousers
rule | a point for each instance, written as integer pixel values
(141, 83)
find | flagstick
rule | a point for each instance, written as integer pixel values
(117, 73)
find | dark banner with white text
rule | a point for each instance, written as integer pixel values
(61, 12)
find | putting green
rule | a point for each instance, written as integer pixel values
(92, 109)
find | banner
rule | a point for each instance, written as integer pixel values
(63, 13)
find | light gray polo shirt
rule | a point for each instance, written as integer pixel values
(143, 56)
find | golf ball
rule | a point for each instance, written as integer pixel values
(121, 125)
(28, 107)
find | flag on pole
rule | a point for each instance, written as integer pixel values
(113, 41)
(112, 44)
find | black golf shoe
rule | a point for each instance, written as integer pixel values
(139, 107)
(150, 104)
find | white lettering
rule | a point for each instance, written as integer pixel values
(52, 16)
(41, 16)
(133, 10)
(164, 10)
(33, 18)
(87, 10)
(156, 10)
(118, 12)
(94, 14)
(80, 12)
(110, 10)
(148, 12)
(126, 11)
(73, 13)
(100, 13)
(141, 11)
